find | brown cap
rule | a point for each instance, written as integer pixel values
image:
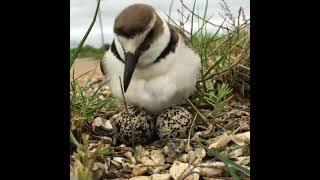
(133, 20)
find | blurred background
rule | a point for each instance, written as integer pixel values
(82, 11)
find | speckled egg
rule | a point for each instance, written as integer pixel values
(141, 123)
(173, 123)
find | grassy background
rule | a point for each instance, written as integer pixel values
(90, 51)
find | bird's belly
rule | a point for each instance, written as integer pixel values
(157, 94)
(160, 86)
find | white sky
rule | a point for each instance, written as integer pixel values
(82, 11)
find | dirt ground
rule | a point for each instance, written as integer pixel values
(84, 65)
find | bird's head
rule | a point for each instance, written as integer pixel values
(136, 28)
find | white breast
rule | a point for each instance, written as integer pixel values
(160, 85)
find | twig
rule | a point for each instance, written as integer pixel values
(98, 81)
(177, 24)
(187, 17)
(233, 64)
(198, 112)
(211, 68)
(191, 128)
(244, 67)
(226, 69)
(168, 140)
(201, 17)
(242, 26)
(126, 106)
(230, 123)
(183, 176)
(191, 172)
(170, 9)
(122, 148)
(209, 123)
(235, 131)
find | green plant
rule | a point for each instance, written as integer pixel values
(230, 166)
(219, 99)
(89, 51)
(74, 56)
(84, 158)
(221, 51)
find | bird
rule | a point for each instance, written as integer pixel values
(151, 59)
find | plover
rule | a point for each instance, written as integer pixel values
(157, 65)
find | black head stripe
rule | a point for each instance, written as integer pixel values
(115, 52)
(145, 45)
(171, 47)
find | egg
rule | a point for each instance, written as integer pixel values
(173, 122)
(141, 124)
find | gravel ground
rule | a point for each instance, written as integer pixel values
(171, 158)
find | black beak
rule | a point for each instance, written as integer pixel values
(130, 64)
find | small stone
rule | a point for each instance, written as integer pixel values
(195, 157)
(158, 169)
(193, 176)
(120, 160)
(161, 176)
(139, 170)
(102, 127)
(157, 156)
(184, 158)
(147, 161)
(166, 150)
(211, 163)
(141, 178)
(191, 156)
(244, 160)
(178, 168)
(108, 125)
(116, 164)
(97, 121)
(210, 172)
(238, 152)
(200, 154)
(130, 157)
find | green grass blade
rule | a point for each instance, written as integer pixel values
(228, 162)
(192, 15)
(85, 36)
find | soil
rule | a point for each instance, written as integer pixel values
(84, 65)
